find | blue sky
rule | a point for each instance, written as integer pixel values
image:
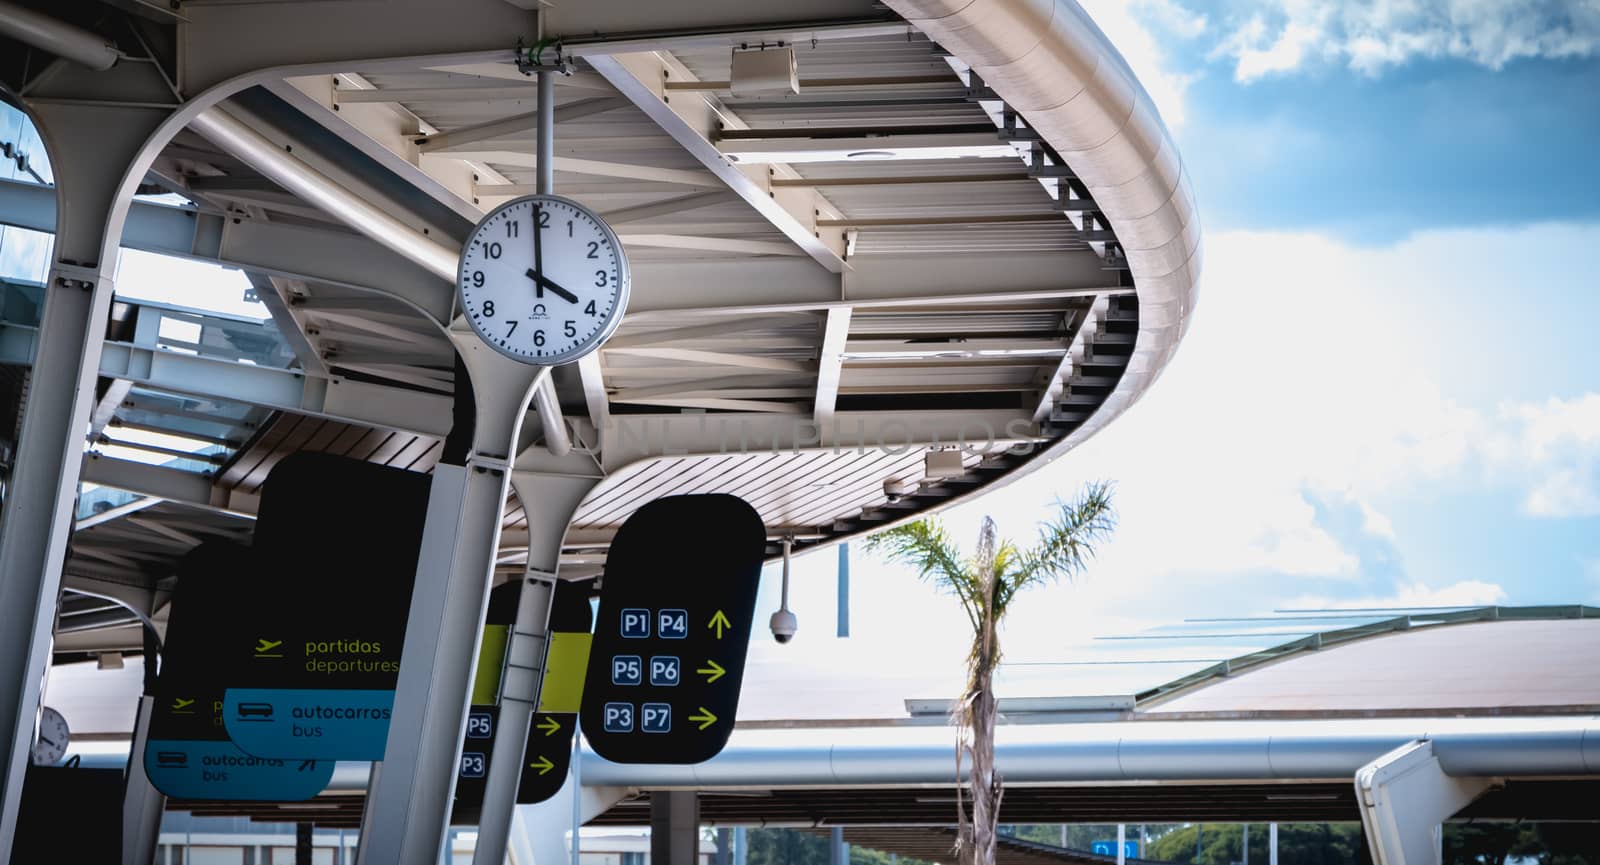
(1391, 391)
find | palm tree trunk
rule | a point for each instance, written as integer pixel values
(984, 782)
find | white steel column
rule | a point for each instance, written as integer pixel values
(1403, 797)
(1272, 844)
(549, 498)
(142, 803)
(1122, 840)
(90, 149)
(409, 802)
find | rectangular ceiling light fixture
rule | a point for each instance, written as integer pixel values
(764, 72)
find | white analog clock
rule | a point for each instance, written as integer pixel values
(543, 280)
(51, 744)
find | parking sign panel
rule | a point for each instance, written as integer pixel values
(664, 671)
(655, 717)
(619, 718)
(636, 624)
(679, 598)
(673, 624)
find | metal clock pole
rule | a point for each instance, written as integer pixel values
(408, 804)
(529, 635)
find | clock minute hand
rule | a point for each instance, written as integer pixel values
(538, 246)
(560, 292)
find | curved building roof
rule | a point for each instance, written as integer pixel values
(969, 226)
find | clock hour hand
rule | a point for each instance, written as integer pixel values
(541, 283)
(557, 290)
(50, 742)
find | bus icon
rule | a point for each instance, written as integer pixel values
(255, 711)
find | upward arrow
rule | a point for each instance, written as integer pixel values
(719, 621)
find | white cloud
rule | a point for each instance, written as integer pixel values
(1468, 593)
(1132, 27)
(1310, 380)
(1373, 35)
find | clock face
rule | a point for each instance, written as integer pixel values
(51, 745)
(543, 280)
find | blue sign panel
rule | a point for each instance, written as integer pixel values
(626, 670)
(673, 624)
(307, 722)
(187, 754)
(663, 671)
(636, 624)
(318, 657)
(219, 771)
(1130, 849)
(655, 717)
(619, 718)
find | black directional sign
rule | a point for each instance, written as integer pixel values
(555, 719)
(337, 540)
(187, 753)
(672, 629)
(549, 743)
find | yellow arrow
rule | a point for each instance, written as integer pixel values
(550, 726)
(719, 621)
(544, 765)
(712, 671)
(705, 718)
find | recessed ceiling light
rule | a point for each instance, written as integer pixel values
(870, 154)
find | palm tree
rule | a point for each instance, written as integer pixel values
(986, 583)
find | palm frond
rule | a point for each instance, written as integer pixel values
(1066, 544)
(927, 546)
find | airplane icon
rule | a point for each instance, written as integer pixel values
(264, 645)
(179, 704)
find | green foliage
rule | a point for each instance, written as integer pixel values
(1298, 844)
(1220, 844)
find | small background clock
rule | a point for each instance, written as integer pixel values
(51, 745)
(543, 280)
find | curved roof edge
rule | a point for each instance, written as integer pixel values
(1048, 60)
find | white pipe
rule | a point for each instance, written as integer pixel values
(57, 37)
(1108, 752)
(316, 188)
(1137, 751)
(324, 192)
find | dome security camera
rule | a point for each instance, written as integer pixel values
(784, 624)
(894, 490)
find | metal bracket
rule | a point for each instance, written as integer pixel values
(527, 64)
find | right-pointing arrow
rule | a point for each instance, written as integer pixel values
(705, 718)
(543, 764)
(712, 671)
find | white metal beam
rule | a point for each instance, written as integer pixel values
(1077, 352)
(691, 120)
(708, 244)
(830, 362)
(456, 138)
(712, 358)
(634, 437)
(165, 484)
(1403, 797)
(573, 165)
(667, 207)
